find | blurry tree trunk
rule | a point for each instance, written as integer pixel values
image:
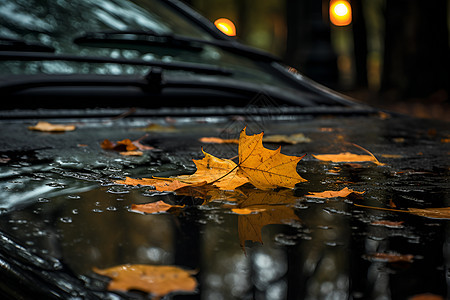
(416, 52)
(360, 43)
(243, 15)
(308, 42)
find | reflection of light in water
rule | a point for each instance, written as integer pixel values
(270, 265)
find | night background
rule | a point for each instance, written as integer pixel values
(394, 54)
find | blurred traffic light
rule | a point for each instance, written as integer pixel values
(226, 26)
(340, 12)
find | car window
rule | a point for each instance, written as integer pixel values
(57, 23)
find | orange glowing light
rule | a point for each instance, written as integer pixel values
(226, 26)
(340, 12)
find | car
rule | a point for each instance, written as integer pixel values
(102, 98)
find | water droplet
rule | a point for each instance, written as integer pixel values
(97, 210)
(73, 196)
(75, 211)
(43, 200)
(285, 240)
(66, 219)
(111, 208)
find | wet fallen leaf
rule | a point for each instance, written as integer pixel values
(160, 184)
(291, 139)
(247, 211)
(391, 257)
(350, 157)
(126, 146)
(390, 224)
(49, 127)
(347, 157)
(222, 173)
(432, 213)
(333, 194)
(123, 145)
(156, 280)
(266, 168)
(132, 153)
(446, 140)
(154, 207)
(262, 167)
(216, 140)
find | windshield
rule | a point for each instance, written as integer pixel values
(57, 23)
(147, 30)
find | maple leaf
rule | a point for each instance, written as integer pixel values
(49, 127)
(154, 207)
(220, 172)
(156, 280)
(333, 194)
(266, 168)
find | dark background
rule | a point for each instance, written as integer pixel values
(395, 54)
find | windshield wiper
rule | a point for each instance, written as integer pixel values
(9, 44)
(138, 38)
(142, 38)
(179, 66)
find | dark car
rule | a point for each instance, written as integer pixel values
(102, 98)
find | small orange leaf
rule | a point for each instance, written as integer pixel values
(247, 211)
(391, 257)
(333, 194)
(123, 145)
(156, 280)
(155, 207)
(216, 140)
(390, 224)
(131, 153)
(49, 127)
(347, 157)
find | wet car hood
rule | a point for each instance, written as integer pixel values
(62, 215)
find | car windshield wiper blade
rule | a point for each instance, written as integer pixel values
(138, 37)
(141, 37)
(179, 66)
(9, 44)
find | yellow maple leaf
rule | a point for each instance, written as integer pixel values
(265, 168)
(156, 280)
(220, 172)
